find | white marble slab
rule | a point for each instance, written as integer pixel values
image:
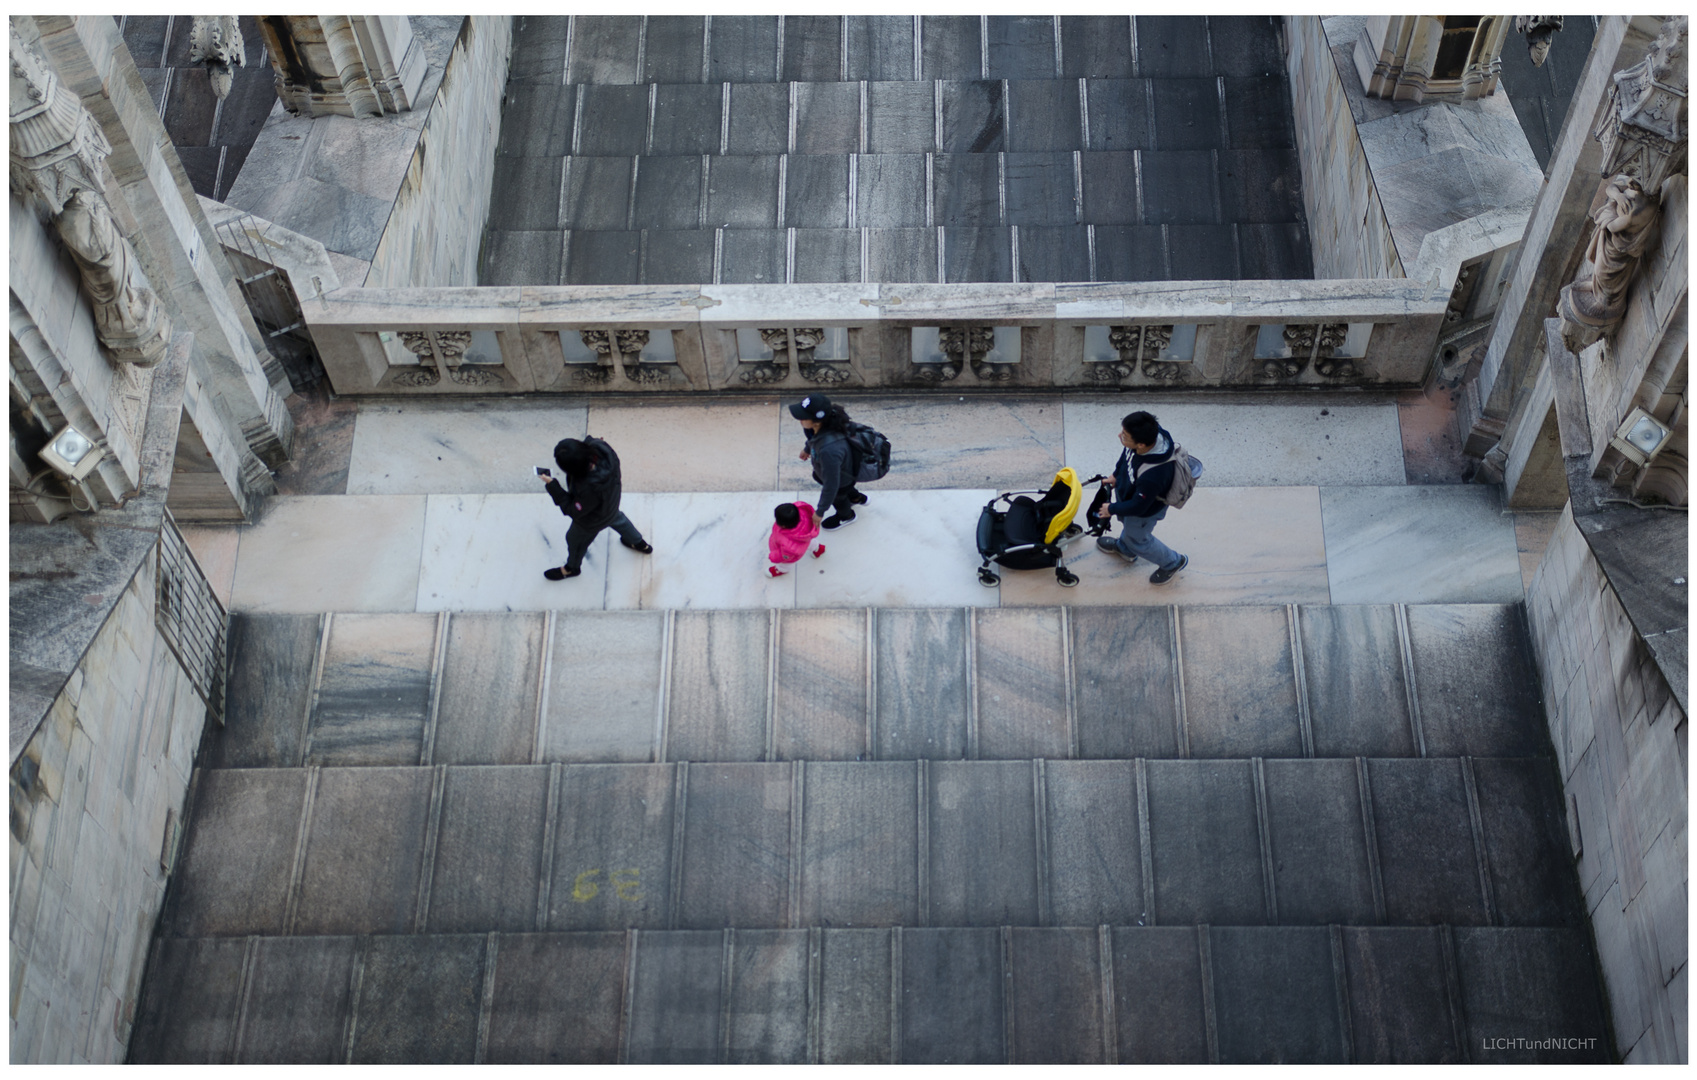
(215, 551)
(717, 446)
(488, 552)
(904, 549)
(1251, 445)
(472, 448)
(314, 553)
(1247, 545)
(950, 442)
(1434, 544)
(709, 552)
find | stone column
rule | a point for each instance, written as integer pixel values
(1421, 57)
(347, 65)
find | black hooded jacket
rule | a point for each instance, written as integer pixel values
(591, 500)
(1143, 497)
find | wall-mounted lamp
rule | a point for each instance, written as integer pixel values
(71, 454)
(1640, 437)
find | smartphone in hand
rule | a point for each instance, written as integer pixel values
(540, 471)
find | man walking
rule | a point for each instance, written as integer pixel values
(1142, 478)
(591, 499)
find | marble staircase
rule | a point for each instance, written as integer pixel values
(1258, 833)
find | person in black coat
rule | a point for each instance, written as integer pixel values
(828, 448)
(590, 499)
(1142, 477)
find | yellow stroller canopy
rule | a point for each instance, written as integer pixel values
(1075, 495)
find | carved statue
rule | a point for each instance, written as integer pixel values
(216, 41)
(1538, 30)
(57, 157)
(1643, 131)
(127, 315)
(1625, 228)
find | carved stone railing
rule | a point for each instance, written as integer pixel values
(685, 338)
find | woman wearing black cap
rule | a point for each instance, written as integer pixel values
(833, 462)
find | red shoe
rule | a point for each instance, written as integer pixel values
(818, 551)
(774, 571)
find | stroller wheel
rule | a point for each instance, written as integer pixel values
(988, 579)
(1066, 578)
(1072, 532)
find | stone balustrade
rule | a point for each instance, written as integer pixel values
(686, 338)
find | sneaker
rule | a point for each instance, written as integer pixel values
(560, 573)
(837, 521)
(641, 546)
(818, 551)
(860, 500)
(1161, 577)
(1108, 544)
(774, 571)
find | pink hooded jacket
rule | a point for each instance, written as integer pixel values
(788, 545)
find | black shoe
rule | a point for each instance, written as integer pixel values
(641, 545)
(1161, 577)
(560, 573)
(859, 499)
(837, 521)
(1111, 546)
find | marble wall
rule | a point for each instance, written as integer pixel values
(436, 225)
(97, 797)
(519, 335)
(1620, 738)
(1346, 221)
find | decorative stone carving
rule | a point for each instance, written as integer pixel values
(1143, 342)
(418, 343)
(57, 148)
(1625, 227)
(216, 41)
(416, 377)
(777, 369)
(349, 65)
(826, 374)
(474, 375)
(1643, 131)
(1416, 57)
(57, 158)
(1330, 336)
(629, 342)
(127, 315)
(1538, 30)
(452, 345)
(1299, 338)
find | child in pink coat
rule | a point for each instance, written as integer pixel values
(794, 527)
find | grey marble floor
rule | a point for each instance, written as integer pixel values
(895, 148)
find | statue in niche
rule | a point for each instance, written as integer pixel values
(127, 315)
(1625, 217)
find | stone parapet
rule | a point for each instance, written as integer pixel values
(1619, 730)
(714, 337)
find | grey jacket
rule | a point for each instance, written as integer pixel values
(833, 465)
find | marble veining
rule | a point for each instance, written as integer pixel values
(1420, 545)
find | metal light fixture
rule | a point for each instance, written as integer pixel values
(71, 454)
(1640, 437)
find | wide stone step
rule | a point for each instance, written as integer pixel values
(825, 994)
(885, 684)
(771, 845)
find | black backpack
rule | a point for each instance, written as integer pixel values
(871, 453)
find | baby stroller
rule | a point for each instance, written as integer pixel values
(1027, 533)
